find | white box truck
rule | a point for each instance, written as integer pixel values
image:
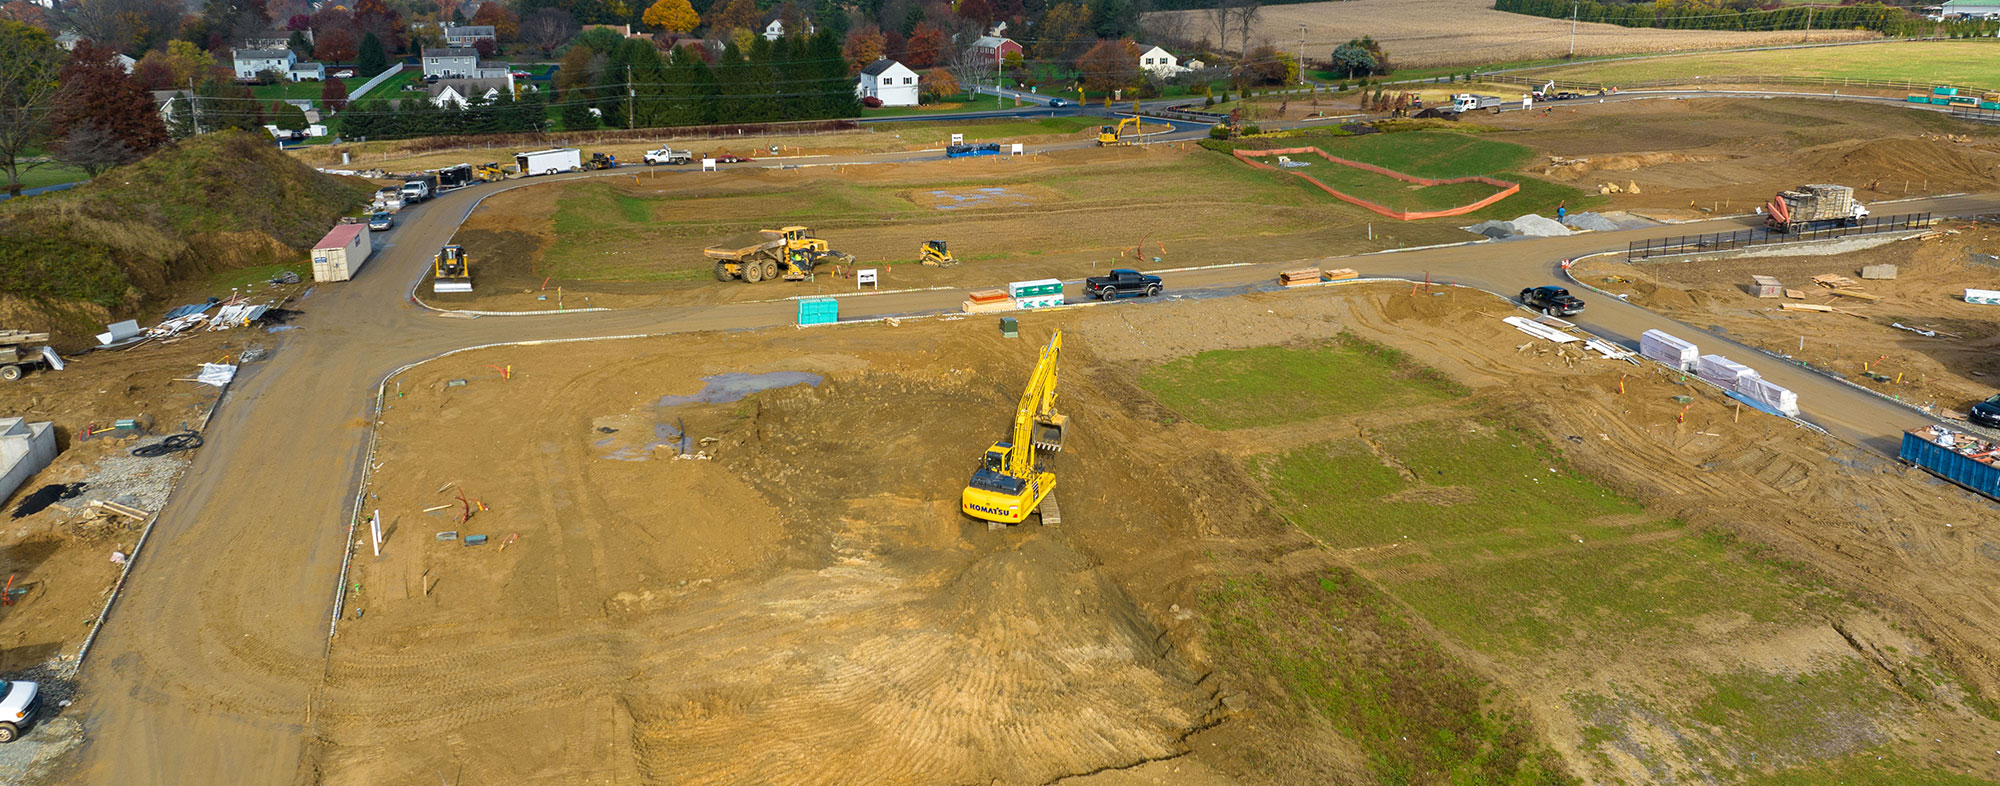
(1468, 102)
(549, 162)
(339, 255)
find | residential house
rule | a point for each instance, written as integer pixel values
(1970, 9)
(467, 36)
(306, 72)
(623, 31)
(451, 62)
(774, 26)
(995, 47)
(1160, 62)
(891, 82)
(461, 93)
(126, 62)
(266, 43)
(251, 62)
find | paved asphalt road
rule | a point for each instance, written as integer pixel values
(186, 689)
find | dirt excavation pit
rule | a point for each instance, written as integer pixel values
(738, 558)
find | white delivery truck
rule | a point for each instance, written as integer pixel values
(549, 162)
(339, 255)
(1467, 102)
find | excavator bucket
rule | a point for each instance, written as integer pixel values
(1048, 432)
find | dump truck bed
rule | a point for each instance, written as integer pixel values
(744, 246)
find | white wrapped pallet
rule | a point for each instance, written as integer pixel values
(1667, 349)
(1987, 297)
(1729, 374)
(1771, 395)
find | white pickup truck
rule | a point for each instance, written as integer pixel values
(668, 155)
(1467, 102)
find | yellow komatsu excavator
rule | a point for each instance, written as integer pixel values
(937, 255)
(1010, 482)
(452, 271)
(1108, 136)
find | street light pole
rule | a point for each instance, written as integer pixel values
(1572, 28)
(1302, 53)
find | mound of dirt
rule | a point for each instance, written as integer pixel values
(73, 259)
(1938, 161)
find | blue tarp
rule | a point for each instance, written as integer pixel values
(191, 308)
(1755, 404)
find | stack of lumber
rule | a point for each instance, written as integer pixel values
(1342, 274)
(988, 300)
(1835, 281)
(1300, 277)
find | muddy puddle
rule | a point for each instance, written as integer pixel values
(667, 425)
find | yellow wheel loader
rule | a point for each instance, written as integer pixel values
(789, 253)
(1011, 481)
(451, 271)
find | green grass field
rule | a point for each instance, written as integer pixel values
(299, 90)
(1390, 192)
(50, 174)
(1429, 153)
(1971, 62)
(973, 104)
(1488, 533)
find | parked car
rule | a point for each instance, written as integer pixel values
(19, 702)
(1554, 301)
(1059, 102)
(381, 222)
(1986, 413)
(520, 74)
(344, 74)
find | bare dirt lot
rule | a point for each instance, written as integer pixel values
(1427, 33)
(1948, 371)
(1700, 157)
(736, 558)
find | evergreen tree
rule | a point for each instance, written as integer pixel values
(730, 75)
(370, 59)
(762, 102)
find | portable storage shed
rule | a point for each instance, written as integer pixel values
(339, 255)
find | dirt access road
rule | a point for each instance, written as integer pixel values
(209, 670)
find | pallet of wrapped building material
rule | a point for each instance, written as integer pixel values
(1300, 277)
(988, 296)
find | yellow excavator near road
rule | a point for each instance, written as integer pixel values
(1011, 481)
(1109, 136)
(451, 271)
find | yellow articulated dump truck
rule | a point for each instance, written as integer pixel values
(789, 253)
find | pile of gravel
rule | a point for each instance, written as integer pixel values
(1530, 225)
(1591, 222)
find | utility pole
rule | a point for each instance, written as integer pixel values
(1302, 53)
(1572, 28)
(193, 114)
(629, 93)
(1809, 10)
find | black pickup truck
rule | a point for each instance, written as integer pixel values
(1122, 283)
(1553, 301)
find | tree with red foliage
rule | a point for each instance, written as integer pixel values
(977, 11)
(298, 22)
(1110, 65)
(336, 46)
(926, 46)
(504, 23)
(375, 16)
(484, 46)
(98, 101)
(333, 94)
(26, 13)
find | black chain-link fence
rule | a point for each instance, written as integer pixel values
(1749, 238)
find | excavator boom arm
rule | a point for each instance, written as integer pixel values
(1037, 405)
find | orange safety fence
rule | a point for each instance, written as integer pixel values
(1506, 189)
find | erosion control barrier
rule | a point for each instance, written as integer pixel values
(1506, 189)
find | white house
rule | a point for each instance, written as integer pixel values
(774, 26)
(452, 62)
(126, 62)
(466, 36)
(892, 82)
(250, 62)
(463, 92)
(306, 72)
(1161, 62)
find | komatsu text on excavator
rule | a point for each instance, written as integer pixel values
(1011, 483)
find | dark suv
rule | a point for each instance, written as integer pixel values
(1554, 301)
(1986, 413)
